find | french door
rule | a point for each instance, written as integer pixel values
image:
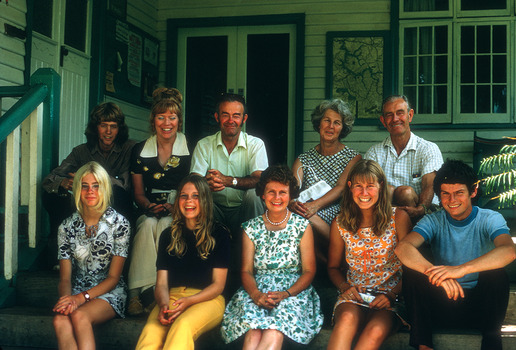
(255, 61)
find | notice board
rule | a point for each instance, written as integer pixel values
(131, 62)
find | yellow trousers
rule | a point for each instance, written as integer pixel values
(182, 333)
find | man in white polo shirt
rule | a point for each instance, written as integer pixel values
(409, 162)
(232, 162)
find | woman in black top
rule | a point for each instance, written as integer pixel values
(157, 167)
(192, 264)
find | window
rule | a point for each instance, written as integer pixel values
(455, 69)
(426, 74)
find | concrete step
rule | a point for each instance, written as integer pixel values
(29, 327)
(29, 324)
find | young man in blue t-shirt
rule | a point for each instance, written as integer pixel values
(467, 285)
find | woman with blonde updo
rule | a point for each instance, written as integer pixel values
(158, 165)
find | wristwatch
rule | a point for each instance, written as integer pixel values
(86, 295)
(234, 182)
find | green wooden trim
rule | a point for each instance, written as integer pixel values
(395, 43)
(479, 127)
(51, 108)
(21, 110)
(13, 91)
(387, 63)
(28, 42)
(298, 19)
(97, 64)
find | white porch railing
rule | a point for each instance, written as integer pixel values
(28, 130)
(22, 175)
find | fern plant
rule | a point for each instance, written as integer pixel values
(500, 172)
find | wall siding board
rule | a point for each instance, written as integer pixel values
(13, 15)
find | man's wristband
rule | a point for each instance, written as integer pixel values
(425, 209)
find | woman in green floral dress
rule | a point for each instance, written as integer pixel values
(278, 265)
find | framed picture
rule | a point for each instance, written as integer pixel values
(359, 71)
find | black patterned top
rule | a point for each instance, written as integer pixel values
(160, 180)
(327, 168)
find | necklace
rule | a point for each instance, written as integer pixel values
(91, 231)
(275, 223)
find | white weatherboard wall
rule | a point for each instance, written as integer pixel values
(321, 17)
(12, 50)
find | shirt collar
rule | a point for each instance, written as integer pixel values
(411, 145)
(242, 137)
(466, 221)
(150, 149)
(116, 148)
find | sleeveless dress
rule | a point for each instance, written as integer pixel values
(372, 261)
(277, 264)
(327, 168)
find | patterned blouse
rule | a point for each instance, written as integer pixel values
(371, 259)
(327, 168)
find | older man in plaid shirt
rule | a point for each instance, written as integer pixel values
(409, 162)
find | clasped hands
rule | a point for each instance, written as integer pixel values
(446, 277)
(306, 210)
(268, 300)
(217, 181)
(381, 301)
(68, 304)
(158, 210)
(166, 316)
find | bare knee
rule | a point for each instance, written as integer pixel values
(346, 319)
(376, 333)
(254, 335)
(405, 196)
(79, 318)
(61, 323)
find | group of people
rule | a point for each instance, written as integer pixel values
(204, 216)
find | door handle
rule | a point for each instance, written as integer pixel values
(64, 52)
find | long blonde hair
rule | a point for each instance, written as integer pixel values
(202, 231)
(102, 178)
(349, 216)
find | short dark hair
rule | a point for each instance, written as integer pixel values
(280, 173)
(393, 98)
(455, 172)
(106, 112)
(338, 106)
(229, 97)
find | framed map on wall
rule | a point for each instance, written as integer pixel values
(358, 71)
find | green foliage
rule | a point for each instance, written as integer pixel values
(499, 173)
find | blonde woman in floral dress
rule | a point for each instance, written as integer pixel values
(365, 233)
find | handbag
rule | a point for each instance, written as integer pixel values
(316, 191)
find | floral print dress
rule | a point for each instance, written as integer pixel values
(277, 263)
(91, 256)
(372, 261)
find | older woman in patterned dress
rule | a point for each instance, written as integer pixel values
(330, 161)
(278, 265)
(93, 245)
(366, 233)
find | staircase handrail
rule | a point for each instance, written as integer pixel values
(31, 98)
